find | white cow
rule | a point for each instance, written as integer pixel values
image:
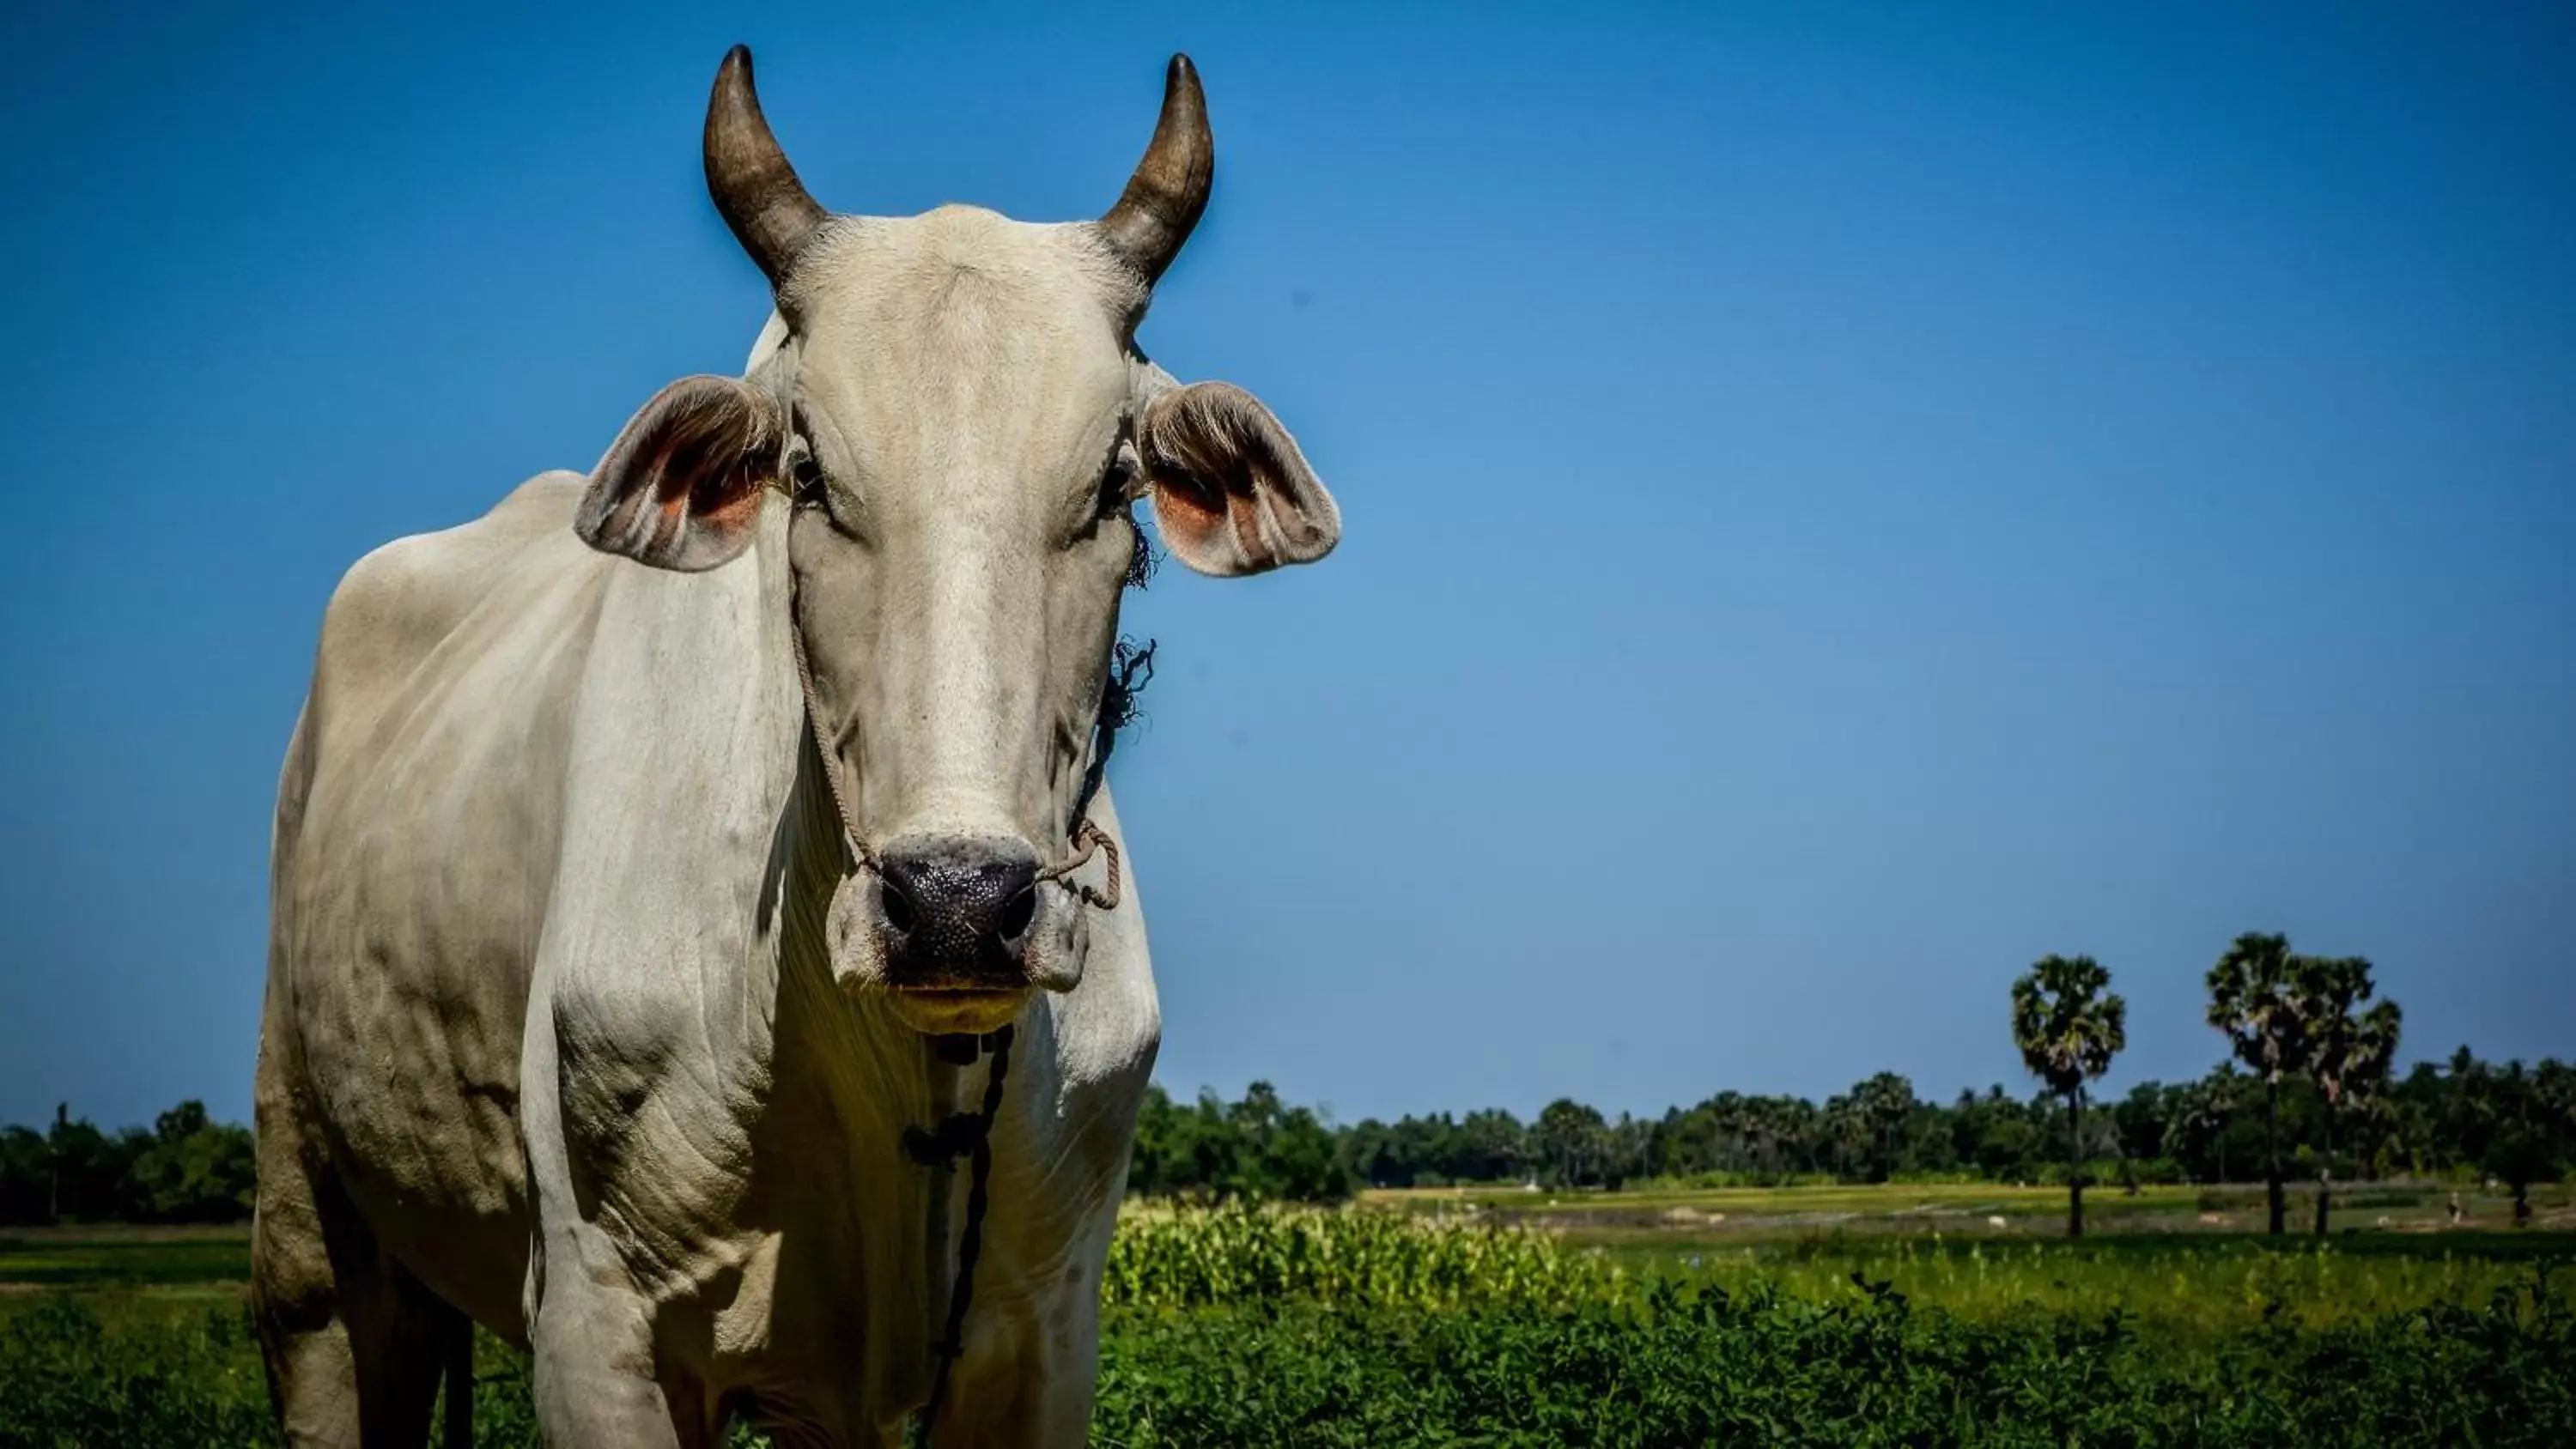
(649, 847)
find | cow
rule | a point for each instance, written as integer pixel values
(666, 862)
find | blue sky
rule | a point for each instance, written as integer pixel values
(1839, 501)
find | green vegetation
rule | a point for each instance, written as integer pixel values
(125, 1257)
(1688, 1367)
(1872, 1271)
(1239, 1325)
(187, 1169)
(1259, 1148)
(2187, 1289)
(1230, 1255)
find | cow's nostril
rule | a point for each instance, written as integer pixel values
(896, 905)
(957, 908)
(1016, 916)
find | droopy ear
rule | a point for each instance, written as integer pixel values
(1232, 495)
(680, 488)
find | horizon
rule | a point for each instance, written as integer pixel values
(1834, 512)
(2038, 1095)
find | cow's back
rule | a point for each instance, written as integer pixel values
(416, 844)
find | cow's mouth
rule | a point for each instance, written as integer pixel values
(958, 1009)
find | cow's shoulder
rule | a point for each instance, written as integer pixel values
(405, 595)
(518, 569)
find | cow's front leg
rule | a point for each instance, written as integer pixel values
(597, 1383)
(600, 1381)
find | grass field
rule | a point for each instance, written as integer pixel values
(125, 1257)
(1892, 1315)
(1978, 1208)
(2169, 1257)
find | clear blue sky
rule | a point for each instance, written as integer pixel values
(1839, 502)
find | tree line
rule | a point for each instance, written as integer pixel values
(2308, 1089)
(186, 1168)
(2463, 1119)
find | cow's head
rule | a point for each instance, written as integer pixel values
(956, 407)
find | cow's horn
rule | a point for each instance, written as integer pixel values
(768, 208)
(1170, 188)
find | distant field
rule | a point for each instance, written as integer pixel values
(123, 1257)
(1976, 1208)
(1936, 1245)
(2166, 1254)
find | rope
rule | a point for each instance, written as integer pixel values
(850, 835)
(1088, 837)
(970, 1135)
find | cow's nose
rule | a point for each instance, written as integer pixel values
(957, 908)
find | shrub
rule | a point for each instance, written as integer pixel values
(1710, 1368)
(1229, 1254)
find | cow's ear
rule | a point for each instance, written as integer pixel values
(680, 488)
(1232, 495)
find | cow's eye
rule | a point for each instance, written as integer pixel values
(1122, 480)
(804, 474)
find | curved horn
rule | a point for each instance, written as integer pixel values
(1170, 188)
(755, 188)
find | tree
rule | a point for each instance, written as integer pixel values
(2197, 1133)
(1867, 1123)
(1998, 1135)
(2553, 1083)
(1627, 1150)
(2254, 1000)
(2068, 1031)
(26, 1176)
(2511, 1132)
(193, 1171)
(1257, 1148)
(2349, 1054)
(1492, 1147)
(1571, 1140)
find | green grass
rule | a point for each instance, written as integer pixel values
(2186, 1286)
(1765, 1368)
(1668, 1367)
(1434, 1326)
(126, 1256)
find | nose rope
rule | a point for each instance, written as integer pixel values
(1088, 838)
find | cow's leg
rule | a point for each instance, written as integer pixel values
(597, 1379)
(596, 1386)
(600, 1381)
(353, 1343)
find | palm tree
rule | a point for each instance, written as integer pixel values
(1571, 1137)
(2068, 1031)
(1874, 1113)
(2349, 1054)
(2255, 1001)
